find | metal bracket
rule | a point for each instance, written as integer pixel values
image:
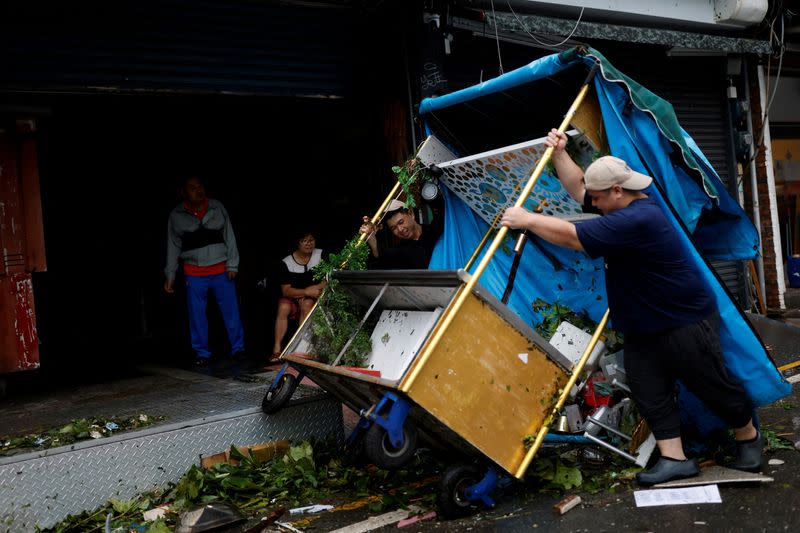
(277, 379)
(394, 420)
(481, 491)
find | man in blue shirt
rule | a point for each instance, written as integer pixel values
(658, 300)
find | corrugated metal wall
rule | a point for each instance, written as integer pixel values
(696, 88)
(199, 46)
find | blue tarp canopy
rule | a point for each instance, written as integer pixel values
(642, 129)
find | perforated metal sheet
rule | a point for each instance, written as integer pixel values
(44, 487)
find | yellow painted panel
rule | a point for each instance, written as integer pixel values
(488, 383)
(588, 120)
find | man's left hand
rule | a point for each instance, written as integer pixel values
(231, 275)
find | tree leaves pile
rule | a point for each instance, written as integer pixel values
(308, 473)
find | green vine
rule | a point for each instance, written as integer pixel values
(411, 175)
(352, 257)
(337, 316)
(334, 323)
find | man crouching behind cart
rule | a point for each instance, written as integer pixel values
(657, 300)
(415, 241)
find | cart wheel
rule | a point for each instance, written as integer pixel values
(378, 447)
(276, 398)
(452, 500)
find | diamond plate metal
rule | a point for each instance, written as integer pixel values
(44, 487)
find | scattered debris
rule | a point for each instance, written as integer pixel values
(568, 503)
(776, 462)
(267, 520)
(682, 496)
(209, 516)
(288, 526)
(416, 519)
(155, 513)
(375, 522)
(77, 430)
(318, 508)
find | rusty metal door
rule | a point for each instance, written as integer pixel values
(21, 246)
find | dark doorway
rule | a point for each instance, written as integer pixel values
(110, 169)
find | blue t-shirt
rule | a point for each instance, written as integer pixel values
(651, 284)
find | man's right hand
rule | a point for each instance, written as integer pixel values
(367, 227)
(169, 286)
(556, 139)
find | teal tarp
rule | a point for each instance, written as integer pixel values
(642, 129)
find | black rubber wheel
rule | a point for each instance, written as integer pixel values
(274, 400)
(451, 499)
(378, 447)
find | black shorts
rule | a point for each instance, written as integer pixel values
(693, 355)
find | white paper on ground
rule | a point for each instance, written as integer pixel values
(310, 509)
(681, 496)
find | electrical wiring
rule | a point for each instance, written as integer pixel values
(532, 36)
(497, 40)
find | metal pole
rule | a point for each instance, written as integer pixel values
(576, 370)
(465, 291)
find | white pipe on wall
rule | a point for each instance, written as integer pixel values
(773, 198)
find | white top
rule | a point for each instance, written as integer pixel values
(296, 268)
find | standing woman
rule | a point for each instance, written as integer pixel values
(299, 291)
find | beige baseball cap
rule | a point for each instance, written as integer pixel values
(394, 205)
(609, 171)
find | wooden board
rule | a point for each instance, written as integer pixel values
(719, 475)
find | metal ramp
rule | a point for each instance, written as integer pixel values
(43, 487)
